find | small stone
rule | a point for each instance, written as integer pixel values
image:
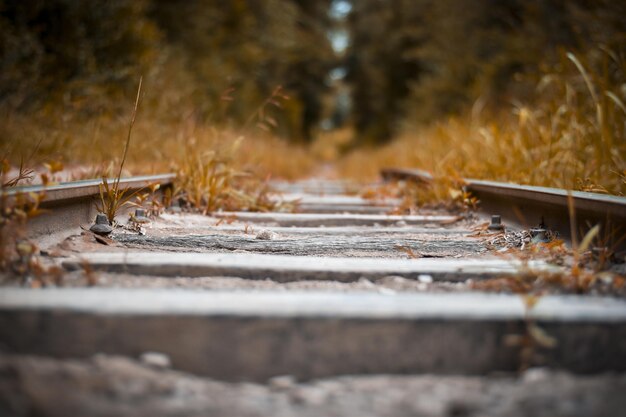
(425, 278)
(400, 223)
(311, 396)
(156, 359)
(606, 278)
(266, 234)
(25, 248)
(394, 279)
(366, 282)
(281, 382)
(536, 374)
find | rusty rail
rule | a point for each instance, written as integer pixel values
(70, 204)
(528, 206)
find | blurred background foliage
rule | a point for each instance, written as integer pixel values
(368, 70)
(427, 59)
(218, 60)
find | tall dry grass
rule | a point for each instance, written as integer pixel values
(218, 167)
(90, 148)
(573, 136)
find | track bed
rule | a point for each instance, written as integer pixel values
(341, 309)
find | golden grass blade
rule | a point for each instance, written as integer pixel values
(589, 236)
(585, 75)
(130, 130)
(616, 100)
(572, 220)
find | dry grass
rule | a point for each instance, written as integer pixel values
(209, 182)
(218, 168)
(112, 198)
(19, 258)
(445, 193)
(573, 137)
(92, 148)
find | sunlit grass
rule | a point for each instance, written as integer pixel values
(573, 137)
(158, 146)
(217, 168)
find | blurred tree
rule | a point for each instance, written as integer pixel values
(72, 48)
(380, 66)
(252, 47)
(419, 60)
(409, 60)
(85, 53)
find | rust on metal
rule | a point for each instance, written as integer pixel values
(88, 188)
(528, 206)
(71, 204)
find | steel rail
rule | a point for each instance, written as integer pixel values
(528, 206)
(68, 205)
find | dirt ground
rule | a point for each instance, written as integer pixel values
(119, 386)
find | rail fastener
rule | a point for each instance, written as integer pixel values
(527, 206)
(69, 205)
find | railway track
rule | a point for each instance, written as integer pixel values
(340, 288)
(69, 205)
(524, 206)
